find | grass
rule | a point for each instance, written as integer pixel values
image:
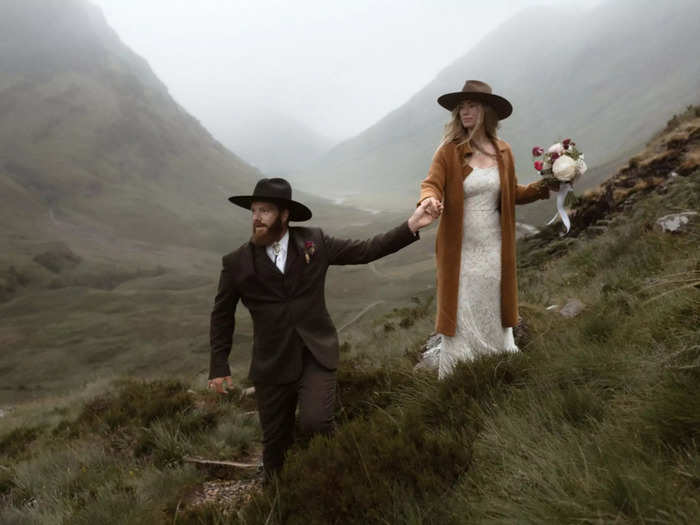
(597, 420)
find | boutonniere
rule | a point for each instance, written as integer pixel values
(309, 250)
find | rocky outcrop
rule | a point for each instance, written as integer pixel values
(673, 154)
(675, 222)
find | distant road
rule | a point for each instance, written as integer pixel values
(363, 312)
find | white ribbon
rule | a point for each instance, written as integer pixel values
(561, 212)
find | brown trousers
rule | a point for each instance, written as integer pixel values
(314, 392)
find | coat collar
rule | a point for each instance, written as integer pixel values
(502, 146)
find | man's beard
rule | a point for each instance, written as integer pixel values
(267, 236)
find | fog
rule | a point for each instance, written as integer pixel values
(336, 67)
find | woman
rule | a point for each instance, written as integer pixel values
(472, 182)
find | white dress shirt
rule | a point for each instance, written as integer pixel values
(282, 256)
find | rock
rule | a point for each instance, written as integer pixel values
(430, 354)
(675, 222)
(572, 308)
(228, 495)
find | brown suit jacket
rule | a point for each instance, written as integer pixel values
(288, 309)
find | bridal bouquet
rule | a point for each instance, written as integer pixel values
(562, 162)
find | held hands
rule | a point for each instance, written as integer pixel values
(217, 384)
(428, 210)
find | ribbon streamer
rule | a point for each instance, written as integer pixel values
(561, 212)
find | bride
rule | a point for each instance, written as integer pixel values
(472, 182)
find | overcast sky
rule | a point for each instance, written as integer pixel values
(336, 66)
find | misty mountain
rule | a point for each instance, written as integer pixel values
(90, 136)
(276, 144)
(94, 151)
(607, 77)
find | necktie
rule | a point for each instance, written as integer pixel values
(276, 248)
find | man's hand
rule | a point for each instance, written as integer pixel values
(217, 384)
(428, 210)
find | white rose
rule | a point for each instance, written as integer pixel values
(581, 166)
(556, 148)
(564, 168)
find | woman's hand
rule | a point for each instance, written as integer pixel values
(552, 184)
(425, 213)
(433, 206)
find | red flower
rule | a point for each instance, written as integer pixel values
(554, 156)
(309, 250)
(566, 143)
(539, 165)
(537, 151)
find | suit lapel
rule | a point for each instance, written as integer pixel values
(263, 263)
(295, 252)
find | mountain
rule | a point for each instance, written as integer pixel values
(277, 144)
(606, 77)
(99, 164)
(90, 136)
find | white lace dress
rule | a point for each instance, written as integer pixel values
(479, 330)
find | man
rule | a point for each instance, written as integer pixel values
(280, 277)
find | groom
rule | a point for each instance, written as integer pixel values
(279, 275)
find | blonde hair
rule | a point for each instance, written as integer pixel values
(457, 133)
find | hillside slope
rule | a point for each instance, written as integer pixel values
(90, 135)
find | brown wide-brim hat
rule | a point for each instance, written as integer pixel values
(481, 92)
(277, 191)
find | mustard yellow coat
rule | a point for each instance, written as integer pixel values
(445, 182)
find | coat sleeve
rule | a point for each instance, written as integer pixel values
(345, 251)
(434, 184)
(531, 192)
(223, 322)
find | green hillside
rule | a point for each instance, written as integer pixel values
(596, 420)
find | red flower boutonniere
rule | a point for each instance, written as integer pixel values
(309, 250)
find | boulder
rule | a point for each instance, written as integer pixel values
(675, 222)
(572, 308)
